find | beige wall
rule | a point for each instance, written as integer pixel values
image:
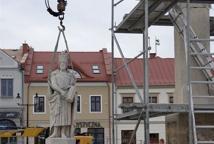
(86, 115)
(84, 91)
(36, 119)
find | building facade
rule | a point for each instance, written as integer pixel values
(93, 72)
(11, 84)
(93, 92)
(161, 91)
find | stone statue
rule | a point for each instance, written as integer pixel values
(62, 102)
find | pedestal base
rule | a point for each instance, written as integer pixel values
(60, 141)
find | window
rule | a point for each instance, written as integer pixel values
(6, 124)
(154, 138)
(39, 69)
(98, 134)
(95, 102)
(7, 88)
(126, 136)
(76, 74)
(127, 100)
(153, 97)
(39, 104)
(95, 69)
(77, 131)
(171, 98)
(78, 104)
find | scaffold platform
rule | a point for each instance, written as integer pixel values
(159, 110)
(134, 21)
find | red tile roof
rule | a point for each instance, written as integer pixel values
(161, 72)
(81, 61)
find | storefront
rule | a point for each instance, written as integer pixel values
(94, 129)
(9, 121)
(6, 124)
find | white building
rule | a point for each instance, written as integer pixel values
(161, 90)
(11, 83)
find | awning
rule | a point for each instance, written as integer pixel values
(28, 132)
(32, 132)
(7, 133)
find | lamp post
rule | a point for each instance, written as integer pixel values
(27, 108)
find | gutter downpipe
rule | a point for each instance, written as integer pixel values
(109, 112)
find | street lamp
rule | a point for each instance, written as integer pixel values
(18, 97)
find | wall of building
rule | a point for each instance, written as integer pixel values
(10, 112)
(84, 118)
(16, 75)
(9, 69)
(157, 124)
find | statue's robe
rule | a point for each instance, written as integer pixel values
(61, 106)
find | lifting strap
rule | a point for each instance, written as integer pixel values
(53, 59)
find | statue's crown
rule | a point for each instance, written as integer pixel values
(63, 56)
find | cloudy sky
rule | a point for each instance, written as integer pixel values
(87, 27)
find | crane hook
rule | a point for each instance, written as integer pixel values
(61, 17)
(60, 8)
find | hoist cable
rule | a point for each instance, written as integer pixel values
(60, 14)
(66, 44)
(53, 60)
(54, 55)
(47, 4)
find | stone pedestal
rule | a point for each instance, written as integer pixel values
(177, 128)
(60, 141)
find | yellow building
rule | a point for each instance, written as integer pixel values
(93, 108)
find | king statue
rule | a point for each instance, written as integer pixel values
(62, 102)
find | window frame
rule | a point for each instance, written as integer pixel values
(154, 95)
(95, 69)
(101, 104)
(154, 137)
(7, 95)
(80, 104)
(125, 137)
(127, 95)
(44, 104)
(76, 74)
(171, 95)
(95, 132)
(40, 69)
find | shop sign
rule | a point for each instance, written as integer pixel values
(9, 114)
(88, 125)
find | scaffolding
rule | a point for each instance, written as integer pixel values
(145, 14)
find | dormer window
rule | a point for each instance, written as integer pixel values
(95, 69)
(39, 69)
(76, 74)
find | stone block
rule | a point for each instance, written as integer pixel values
(60, 141)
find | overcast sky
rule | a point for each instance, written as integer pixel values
(87, 27)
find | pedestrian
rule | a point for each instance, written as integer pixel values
(161, 141)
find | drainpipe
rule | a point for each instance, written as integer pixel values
(22, 94)
(27, 105)
(109, 112)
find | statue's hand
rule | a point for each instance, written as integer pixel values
(69, 100)
(62, 93)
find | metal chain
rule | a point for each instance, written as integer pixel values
(61, 18)
(53, 60)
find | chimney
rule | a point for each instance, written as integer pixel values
(152, 55)
(25, 48)
(104, 50)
